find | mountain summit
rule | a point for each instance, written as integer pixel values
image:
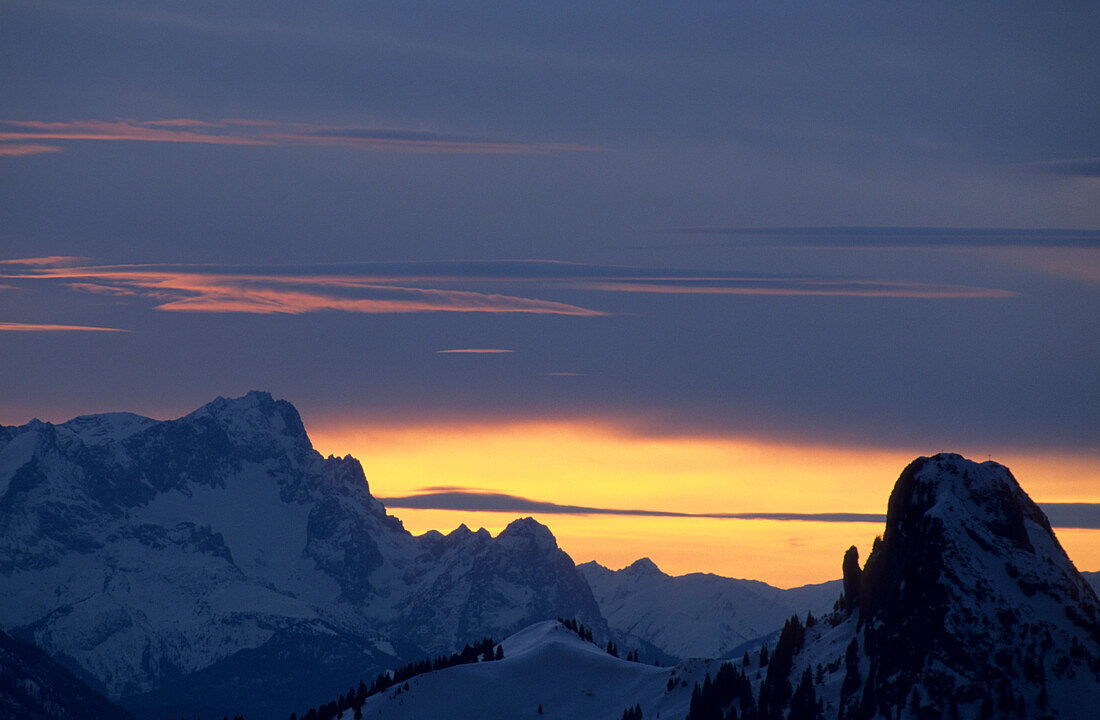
(969, 600)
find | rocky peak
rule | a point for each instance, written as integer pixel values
(943, 510)
(643, 567)
(255, 417)
(969, 568)
(529, 531)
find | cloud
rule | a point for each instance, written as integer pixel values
(22, 149)
(864, 236)
(45, 261)
(1061, 515)
(1085, 516)
(474, 351)
(389, 288)
(1088, 167)
(267, 133)
(808, 287)
(452, 498)
(196, 290)
(39, 327)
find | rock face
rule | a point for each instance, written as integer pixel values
(697, 615)
(968, 606)
(217, 563)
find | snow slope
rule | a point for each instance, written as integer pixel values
(545, 664)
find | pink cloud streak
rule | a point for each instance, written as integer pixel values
(45, 261)
(268, 133)
(23, 149)
(184, 291)
(39, 327)
(820, 288)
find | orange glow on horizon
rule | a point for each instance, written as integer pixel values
(604, 465)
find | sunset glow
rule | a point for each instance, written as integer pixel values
(606, 465)
(731, 287)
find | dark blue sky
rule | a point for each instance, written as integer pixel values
(909, 173)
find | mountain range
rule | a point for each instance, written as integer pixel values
(699, 615)
(217, 564)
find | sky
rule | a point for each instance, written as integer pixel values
(613, 265)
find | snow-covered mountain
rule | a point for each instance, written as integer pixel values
(32, 685)
(217, 563)
(969, 603)
(697, 615)
(547, 672)
(966, 608)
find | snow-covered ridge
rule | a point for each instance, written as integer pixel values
(699, 614)
(546, 672)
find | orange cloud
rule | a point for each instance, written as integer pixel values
(192, 291)
(263, 132)
(39, 327)
(114, 130)
(394, 289)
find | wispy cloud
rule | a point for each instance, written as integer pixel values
(23, 149)
(474, 351)
(45, 261)
(864, 236)
(1061, 515)
(807, 287)
(199, 290)
(247, 132)
(40, 327)
(484, 287)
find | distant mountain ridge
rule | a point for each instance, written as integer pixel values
(697, 615)
(217, 563)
